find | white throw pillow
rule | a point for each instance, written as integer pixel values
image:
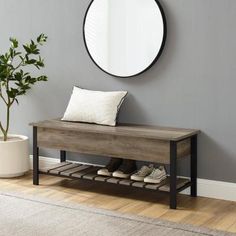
(94, 106)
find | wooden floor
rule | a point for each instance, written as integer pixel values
(212, 213)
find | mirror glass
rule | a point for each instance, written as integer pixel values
(124, 37)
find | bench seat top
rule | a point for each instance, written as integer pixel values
(131, 130)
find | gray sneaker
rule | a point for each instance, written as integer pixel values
(142, 173)
(157, 175)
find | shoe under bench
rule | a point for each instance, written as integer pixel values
(154, 144)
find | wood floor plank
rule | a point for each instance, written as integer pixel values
(212, 213)
(232, 228)
(224, 217)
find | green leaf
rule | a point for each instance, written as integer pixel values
(32, 46)
(30, 61)
(12, 52)
(22, 59)
(27, 49)
(18, 76)
(12, 93)
(40, 63)
(42, 78)
(42, 38)
(23, 92)
(35, 51)
(14, 42)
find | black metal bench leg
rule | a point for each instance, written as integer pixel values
(173, 175)
(35, 157)
(62, 156)
(194, 166)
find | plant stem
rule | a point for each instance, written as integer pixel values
(19, 65)
(8, 103)
(8, 122)
(5, 131)
(4, 100)
(2, 129)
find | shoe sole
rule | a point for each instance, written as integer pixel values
(140, 179)
(121, 176)
(155, 181)
(109, 174)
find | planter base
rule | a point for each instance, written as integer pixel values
(12, 175)
(14, 156)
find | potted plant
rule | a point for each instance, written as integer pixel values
(16, 80)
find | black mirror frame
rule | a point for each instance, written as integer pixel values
(152, 63)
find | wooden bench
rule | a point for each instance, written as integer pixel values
(137, 142)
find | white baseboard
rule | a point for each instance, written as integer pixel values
(48, 161)
(206, 188)
(215, 189)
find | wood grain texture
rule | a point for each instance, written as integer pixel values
(89, 172)
(206, 212)
(142, 149)
(74, 170)
(129, 130)
(64, 167)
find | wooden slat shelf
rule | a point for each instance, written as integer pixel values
(89, 172)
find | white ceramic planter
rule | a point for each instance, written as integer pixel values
(14, 156)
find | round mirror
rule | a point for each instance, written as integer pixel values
(124, 38)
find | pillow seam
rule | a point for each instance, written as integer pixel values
(119, 106)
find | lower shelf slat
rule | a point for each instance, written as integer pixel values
(180, 183)
(73, 170)
(101, 178)
(58, 165)
(82, 173)
(63, 168)
(89, 172)
(126, 182)
(157, 186)
(113, 180)
(93, 174)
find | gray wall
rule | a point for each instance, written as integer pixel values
(192, 85)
